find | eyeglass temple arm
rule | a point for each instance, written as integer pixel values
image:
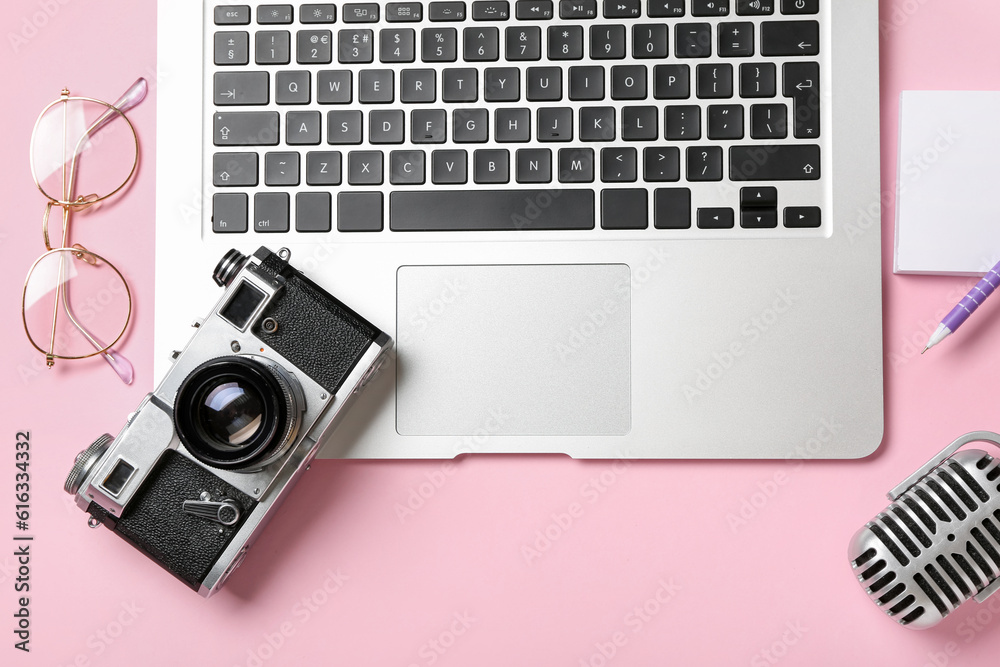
(132, 97)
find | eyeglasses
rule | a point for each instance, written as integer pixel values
(75, 303)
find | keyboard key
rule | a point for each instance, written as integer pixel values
(725, 122)
(323, 168)
(693, 40)
(404, 12)
(360, 12)
(359, 212)
(736, 40)
(406, 167)
(355, 46)
(490, 11)
(768, 121)
(460, 85)
(709, 7)
(716, 218)
(291, 87)
(672, 82)
(801, 83)
(273, 47)
(513, 126)
(270, 212)
(234, 169)
(428, 126)
(491, 166)
(650, 41)
(544, 84)
(555, 124)
(229, 213)
(334, 87)
(321, 13)
(376, 86)
(665, 8)
(640, 123)
(619, 165)
(715, 81)
(397, 45)
(302, 128)
(628, 82)
(672, 208)
(449, 168)
(385, 126)
(803, 217)
(576, 165)
(447, 11)
(343, 127)
(281, 169)
(502, 84)
(246, 128)
(439, 45)
(312, 212)
(481, 44)
(240, 88)
(523, 43)
(534, 165)
(607, 42)
(364, 167)
(470, 126)
(682, 123)
(774, 163)
(269, 14)
(232, 15)
(704, 163)
(661, 164)
(800, 6)
(565, 42)
(759, 218)
(533, 10)
(754, 7)
(577, 9)
(597, 124)
(232, 48)
(758, 80)
(622, 9)
(490, 210)
(789, 38)
(759, 197)
(624, 209)
(417, 85)
(586, 82)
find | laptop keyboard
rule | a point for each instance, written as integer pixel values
(378, 118)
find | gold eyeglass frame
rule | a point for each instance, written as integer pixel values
(78, 204)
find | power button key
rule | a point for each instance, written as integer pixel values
(800, 6)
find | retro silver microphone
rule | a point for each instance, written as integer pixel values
(938, 543)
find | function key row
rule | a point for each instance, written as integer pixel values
(520, 43)
(490, 10)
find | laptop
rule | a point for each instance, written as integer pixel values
(607, 229)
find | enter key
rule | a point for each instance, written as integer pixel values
(802, 85)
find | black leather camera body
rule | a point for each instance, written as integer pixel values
(208, 456)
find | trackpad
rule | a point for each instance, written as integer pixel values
(513, 350)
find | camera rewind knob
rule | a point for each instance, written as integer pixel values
(227, 268)
(85, 461)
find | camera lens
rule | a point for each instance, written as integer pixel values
(234, 412)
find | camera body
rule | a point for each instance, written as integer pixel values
(206, 459)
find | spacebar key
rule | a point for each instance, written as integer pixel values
(491, 210)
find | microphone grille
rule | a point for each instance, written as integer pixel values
(936, 545)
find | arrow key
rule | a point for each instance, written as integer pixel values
(789, 38)
(716, 218)
(759, 218)
(803, 217)
(759, 197)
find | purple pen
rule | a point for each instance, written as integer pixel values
(960, 313)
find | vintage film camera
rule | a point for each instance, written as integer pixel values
(207, 458)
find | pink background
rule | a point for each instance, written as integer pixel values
(450, 584)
